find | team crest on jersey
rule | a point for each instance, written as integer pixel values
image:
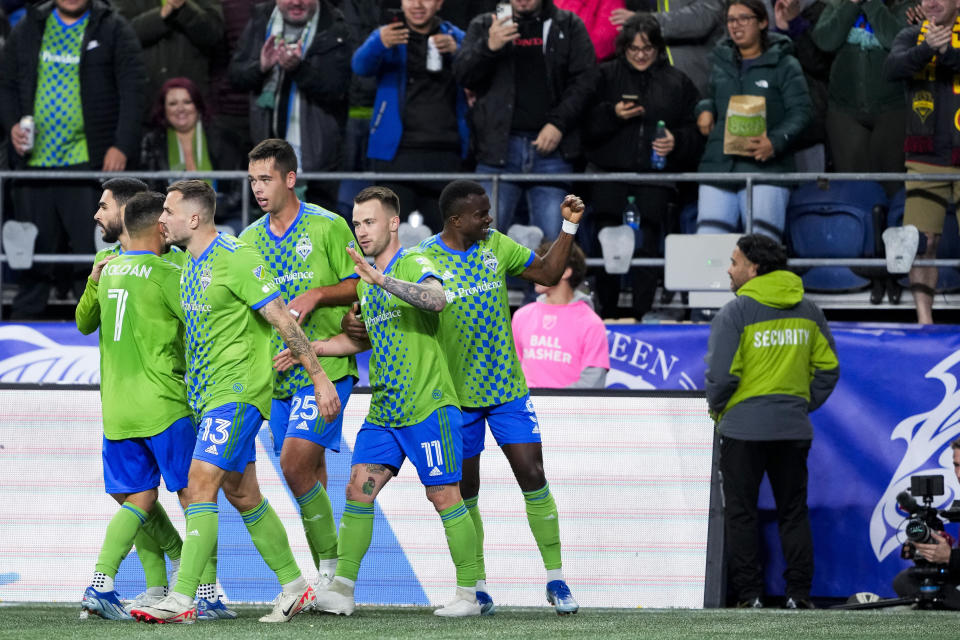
(258, 272)
(304, 247)
(489, 260)
(206, 277)
(549, 322)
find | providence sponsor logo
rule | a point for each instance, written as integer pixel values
(480, 287)
(383, 317)
(195, 306)
(48, 57)
(293, 276)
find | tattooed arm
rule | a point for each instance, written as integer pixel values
(276, 313)
(425, 295)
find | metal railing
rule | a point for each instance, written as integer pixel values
(748, 180)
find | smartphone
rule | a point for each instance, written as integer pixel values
(391, 15)
(504, 10)
(630, 97)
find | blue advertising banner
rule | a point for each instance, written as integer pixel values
(893, 415)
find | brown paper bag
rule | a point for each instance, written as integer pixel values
(746, 118)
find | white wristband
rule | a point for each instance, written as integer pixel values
(570, 227)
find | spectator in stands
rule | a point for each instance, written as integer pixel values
(178, 37)
(421, 121)
(230, 107)
(690, 29)
(795, 21)
(532, 74)
(865, 113)
(294, 59)
(619, 136)
(75, 66)
(461, 12)
(596, 17)
(751, 62)
(927, 59)
(561, 342)
(183, 138)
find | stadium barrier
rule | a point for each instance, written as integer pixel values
(632, 480)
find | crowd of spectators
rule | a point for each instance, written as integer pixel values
(427, 86)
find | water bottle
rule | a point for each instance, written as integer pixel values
(434, 60)
(631, 215)
(658, 161)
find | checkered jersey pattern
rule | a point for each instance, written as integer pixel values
(58, 112)
(475, 326)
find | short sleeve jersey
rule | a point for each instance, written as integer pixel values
(408, 370)
(60, 139)
(141, 346)
(312, 253)
(229, 357)
(475, 325)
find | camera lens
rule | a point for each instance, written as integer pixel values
(918, 531)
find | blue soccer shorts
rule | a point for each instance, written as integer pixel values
(299, 417)
(227, 436)
(434, 446)
(512, 422)
(136, 464)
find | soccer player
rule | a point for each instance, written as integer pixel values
(157, 535)
(475, 331)
(304, 246)
(230, 302)
(413, 412)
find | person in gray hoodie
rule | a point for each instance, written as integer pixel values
(771, 360)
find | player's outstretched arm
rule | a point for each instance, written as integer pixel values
(426, 295)
(338, 345)
(277, 314)
(548, 269)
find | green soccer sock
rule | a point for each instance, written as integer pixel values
(151, 557)
(119, 538)
(462, 540)
(542, 516)
(202, 527)
(316, 512)
(474, 511)
(356, 531)
(209, 573)
(270, 539)
(159, 527)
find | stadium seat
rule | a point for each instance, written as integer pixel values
(617, 244)
(411, 236)
(18, 240)
(836, 222)
(948, 277)
(528, 236)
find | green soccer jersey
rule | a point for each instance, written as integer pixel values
(141, 346)
(475, 326)
(408, 371)
(58, 112)
(312, 253)
(87, 313)
(229, 357)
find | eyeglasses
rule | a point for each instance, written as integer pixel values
(740, 20)
(647, 50)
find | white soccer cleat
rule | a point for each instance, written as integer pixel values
(337, 598)
(287, 605)
(145, 600)
(463, 605)
(167, 611)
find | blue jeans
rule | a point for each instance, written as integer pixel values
(543, 201)
(723, 211)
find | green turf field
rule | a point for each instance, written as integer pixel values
(373, 623)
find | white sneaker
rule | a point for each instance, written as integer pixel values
(336, 598)
(901, 245)
(145, 600)
(168, 610)
(464, 604)
(287, 605)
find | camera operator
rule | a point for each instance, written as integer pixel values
(907, 583)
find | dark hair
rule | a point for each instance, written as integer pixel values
(158, 113)
(955, 444)
(124, 188)
(577, 262)
(143, 210)
(456, 191)
(197, 191)
(768, 254)
(641, 23)
(758, 9)
(386, 196)
(280, 151)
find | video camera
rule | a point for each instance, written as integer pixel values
(925, 519)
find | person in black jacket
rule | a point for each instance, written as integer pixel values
(532, 75)
(294, 59)
(636, 90)
(85, 93)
